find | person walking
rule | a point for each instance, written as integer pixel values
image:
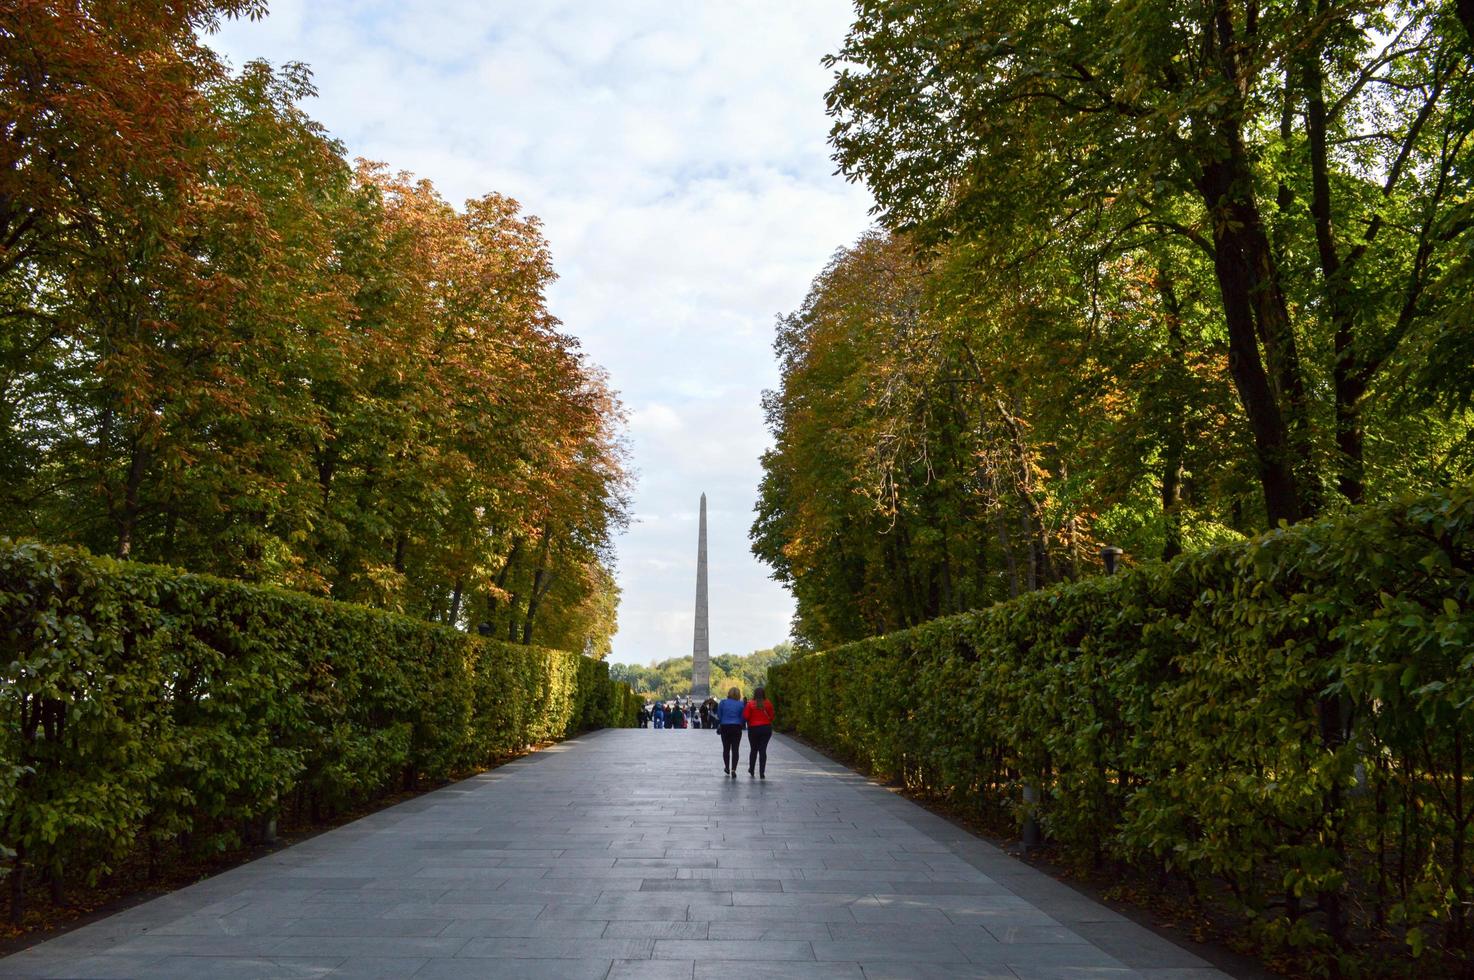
(729, 724)
(659, 715)
(758, 713)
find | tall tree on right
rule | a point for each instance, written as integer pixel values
(1316, 153)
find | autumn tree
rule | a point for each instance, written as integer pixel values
(1316, 156)
(229, 348)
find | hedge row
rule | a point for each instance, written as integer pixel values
(1288, 722)
(145, 709)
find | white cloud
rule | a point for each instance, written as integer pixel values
(676, 153)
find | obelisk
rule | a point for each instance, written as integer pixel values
(701, 646)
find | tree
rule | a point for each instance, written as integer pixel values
(228, 348)
(1121, 129)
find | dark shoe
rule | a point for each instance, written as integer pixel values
(762, 775)
(726, 770)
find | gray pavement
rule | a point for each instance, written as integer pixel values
(627, 854)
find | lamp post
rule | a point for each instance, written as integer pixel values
(1110, 554)
(1033, 833)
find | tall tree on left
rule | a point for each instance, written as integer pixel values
(104, 140)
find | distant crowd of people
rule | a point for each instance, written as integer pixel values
(729, 716)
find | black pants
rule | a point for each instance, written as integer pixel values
(757, 747)
(731, 746)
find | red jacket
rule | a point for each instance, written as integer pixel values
(756, 715)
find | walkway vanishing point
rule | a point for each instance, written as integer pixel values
(626, 854)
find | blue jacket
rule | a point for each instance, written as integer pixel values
(729, 712)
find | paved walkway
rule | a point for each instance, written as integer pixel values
(627, 854)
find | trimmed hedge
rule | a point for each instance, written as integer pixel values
(1287, 721)
(145, 708)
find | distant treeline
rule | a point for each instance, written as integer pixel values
(672, 678)
(227, 347)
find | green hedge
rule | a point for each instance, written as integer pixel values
(1288, 722)
(143, 708)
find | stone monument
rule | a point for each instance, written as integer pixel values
(701, 646)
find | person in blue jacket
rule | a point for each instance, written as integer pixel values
(659, 715)
(729, 723)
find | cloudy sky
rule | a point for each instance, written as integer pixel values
(676, 153)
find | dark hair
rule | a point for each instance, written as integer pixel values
(761, 694)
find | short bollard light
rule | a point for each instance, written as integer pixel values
(1110, 554)
(484, 629)
(1033, 835)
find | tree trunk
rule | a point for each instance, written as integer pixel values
(400, 543)
(1236, 285)
(512, 618)
(128, 515)
(915, 604)
(1254, 304)
(949, 603)
(1040, 573)
(507, 572)
(1010, 560)
(327, 467)
(1172, 503)
(503, 573)
(455, 604)
(1031, 578)
(541, 581)
(1175, 440)
(1351, 467)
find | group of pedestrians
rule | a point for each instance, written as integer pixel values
(730, 717)
(668, 715)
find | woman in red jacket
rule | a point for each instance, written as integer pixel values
(758, 713)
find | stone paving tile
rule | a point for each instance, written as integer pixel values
(653, 970)
(776, 970)
(648, 929)
(912, 951)
(757, 950)
(375, 968)
(771, 913)
(526, 928)
(935, 971)
(558, 949)
(1033, 934)
(345, 946)
(548, 969)
(627, 854)
(697, 885)
(769, 929)
(895, 916)
(363, 926)
(1066, 956)
(606, 912)
(891, 932)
